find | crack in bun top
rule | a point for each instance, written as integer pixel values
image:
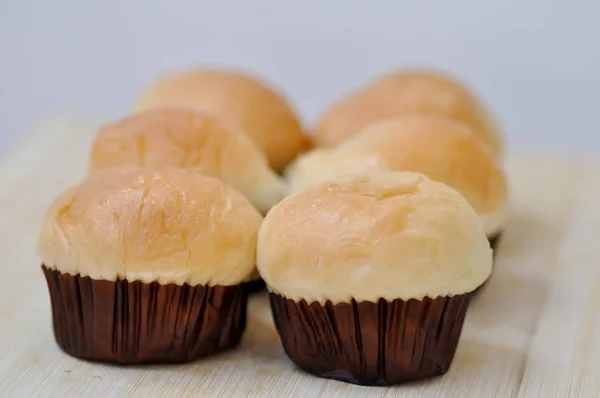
(240, 99)
(169, 226)
(442, 149)
(408, 92)
(170, 137)
(393, 235)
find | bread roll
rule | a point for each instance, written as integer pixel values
(237, 98)
(407, 92)
(382, 235)
(168, 226)
(442, 149)
(177, 137)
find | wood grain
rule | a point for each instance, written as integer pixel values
(533, 330)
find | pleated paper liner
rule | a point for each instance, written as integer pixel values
(371, 343)
(134, 322)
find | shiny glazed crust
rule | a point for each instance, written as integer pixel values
(170, 226)
(239, 99)
(386, 235)
(170, 137)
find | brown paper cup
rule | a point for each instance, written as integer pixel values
(134, 322)
(371, 343)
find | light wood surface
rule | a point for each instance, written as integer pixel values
(534, 330)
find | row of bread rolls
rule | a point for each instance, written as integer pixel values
(380, 231)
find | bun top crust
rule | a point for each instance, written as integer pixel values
(238, 99)
(407, 92)
(383, 235)
(443, 150)
(170, 137)
(170, 226)
(323, 164)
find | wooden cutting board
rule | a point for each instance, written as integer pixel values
(534, 331)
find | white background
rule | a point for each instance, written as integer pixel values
(536, 62)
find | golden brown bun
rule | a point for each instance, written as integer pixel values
(382, 235)
(239, 99)
(440, 148)
(322, 164)
(170, 137)
(407, 92)
(170, 226)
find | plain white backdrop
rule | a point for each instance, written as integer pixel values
(536, 62)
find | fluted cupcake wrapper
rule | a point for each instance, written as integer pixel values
(371, 343)
(135, 322)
